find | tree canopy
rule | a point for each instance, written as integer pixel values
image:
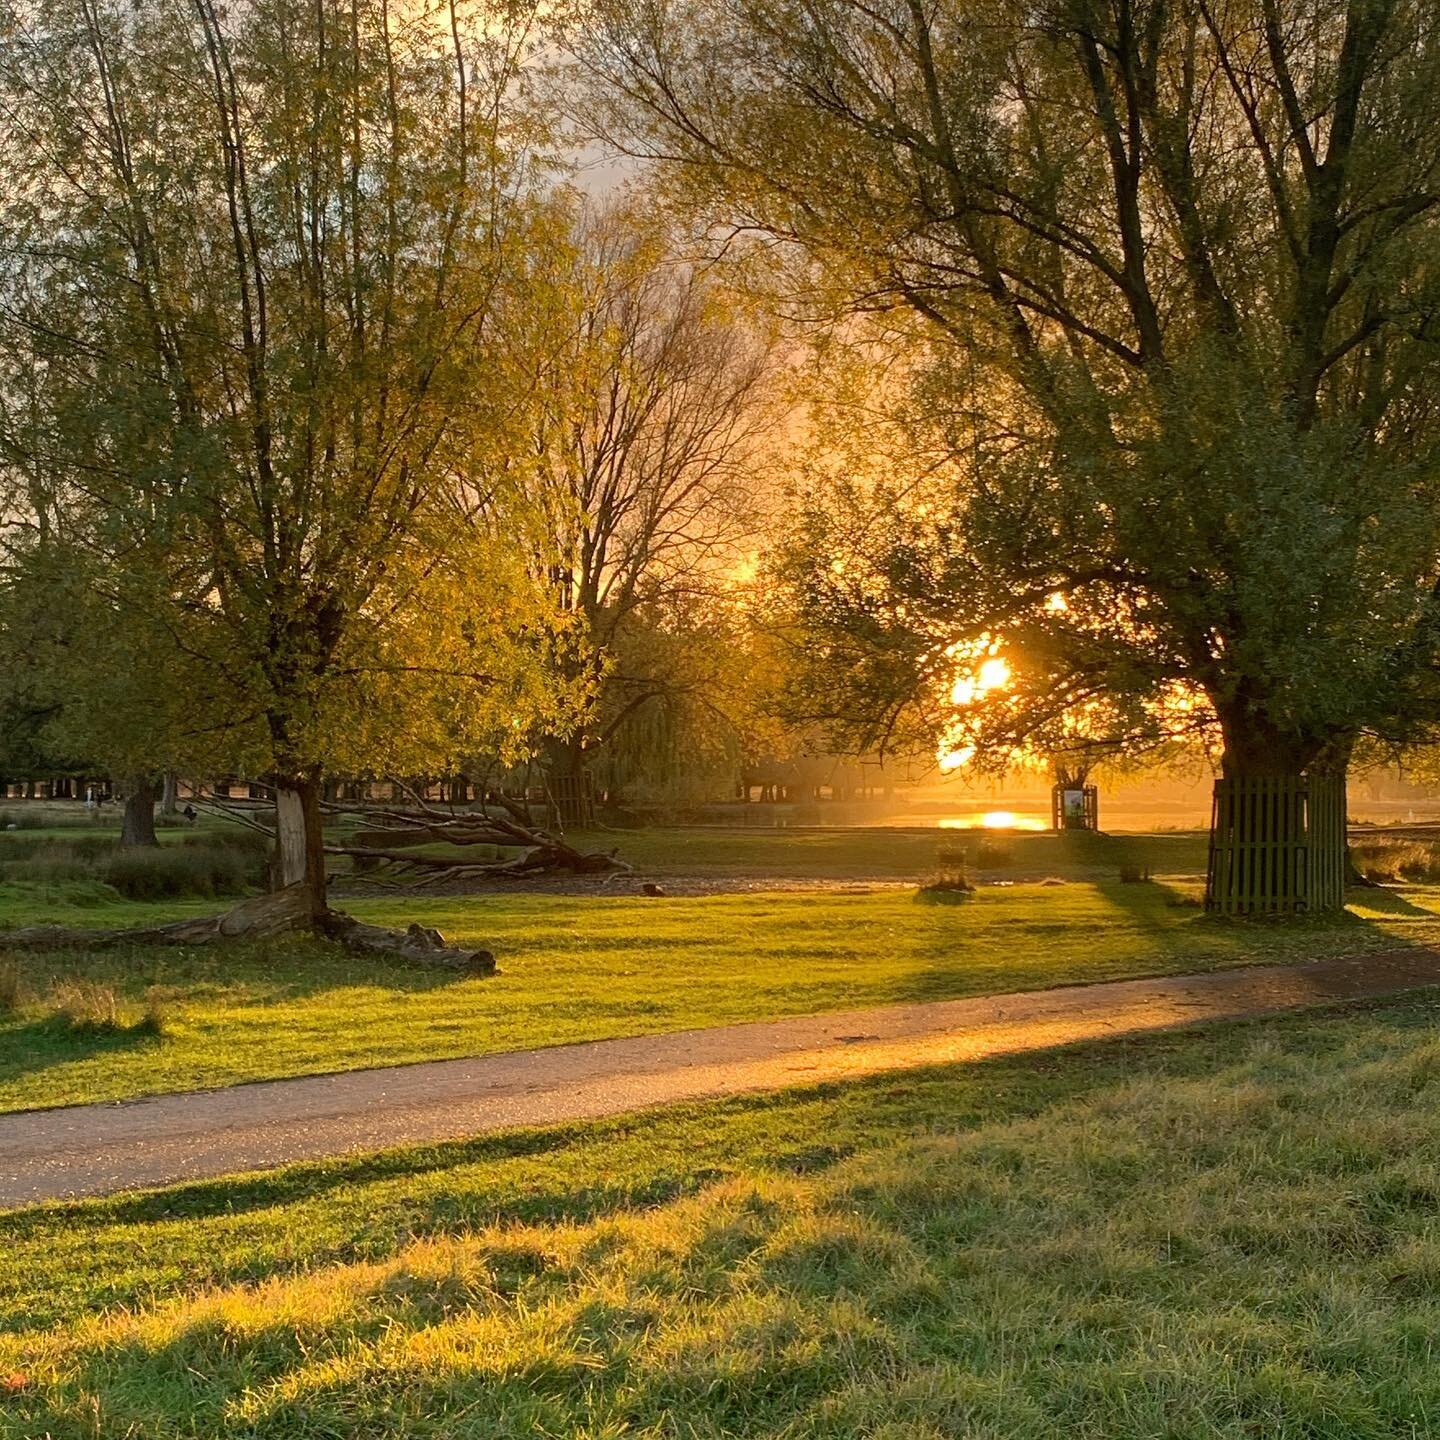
(261, 397)
(1165, 275)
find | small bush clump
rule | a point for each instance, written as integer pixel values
(992, 853)
(1132, 873)
(86, 1007)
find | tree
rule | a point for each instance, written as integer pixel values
(650, 450)
(257, 262)
(1165, 271)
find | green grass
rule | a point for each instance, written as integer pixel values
(1228, 1232)
(584, 968)
(892, 854)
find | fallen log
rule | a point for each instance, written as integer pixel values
(540, 859)
(419, 944)
(281, 912)
(398, 831)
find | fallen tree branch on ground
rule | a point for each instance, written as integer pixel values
(281, 912)
(390, 832)
(385, 844)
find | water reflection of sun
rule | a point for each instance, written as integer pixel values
(993, 820)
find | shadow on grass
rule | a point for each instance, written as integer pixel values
(53, 1040)
(881, 1103)
(1388, 903)
(1158, 904)
(368, 1208)
(324, 1217)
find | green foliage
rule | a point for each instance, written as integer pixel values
(160, 873)
(265, 505)
(95, 869)
(1147, 405)
(656, 439)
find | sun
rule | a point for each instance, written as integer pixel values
(992, 673)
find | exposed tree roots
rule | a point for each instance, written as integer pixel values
(282, 912)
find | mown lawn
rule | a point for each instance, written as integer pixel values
(1228, 1232)
(896, 854)
(583, 968)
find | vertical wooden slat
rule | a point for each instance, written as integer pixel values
(1277, 845)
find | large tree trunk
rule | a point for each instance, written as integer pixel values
(138, 826)
(300, 839)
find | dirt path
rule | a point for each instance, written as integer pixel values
(99, 1149)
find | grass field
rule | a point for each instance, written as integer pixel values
(891, 854)
(1229, 1232)
(591, 966)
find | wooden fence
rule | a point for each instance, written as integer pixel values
(572, 798)
(1277, 846)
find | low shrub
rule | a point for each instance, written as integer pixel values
(170, 871)
(233, 837)
(88, 1007)
(1392, 861)
(1133, 873)
(992, 853)
(21, 820)
(949, 856)
(31, 847)
(50, 865)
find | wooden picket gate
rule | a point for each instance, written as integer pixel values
(1277, 845)
(572, 800)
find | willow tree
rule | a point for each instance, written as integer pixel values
(651, 449)
(257, 263)
(1167, 272)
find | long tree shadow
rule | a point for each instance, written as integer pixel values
(50, 1041)
(1155, 902)
(1389, 902)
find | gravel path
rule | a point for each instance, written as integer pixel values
(100, 1149)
